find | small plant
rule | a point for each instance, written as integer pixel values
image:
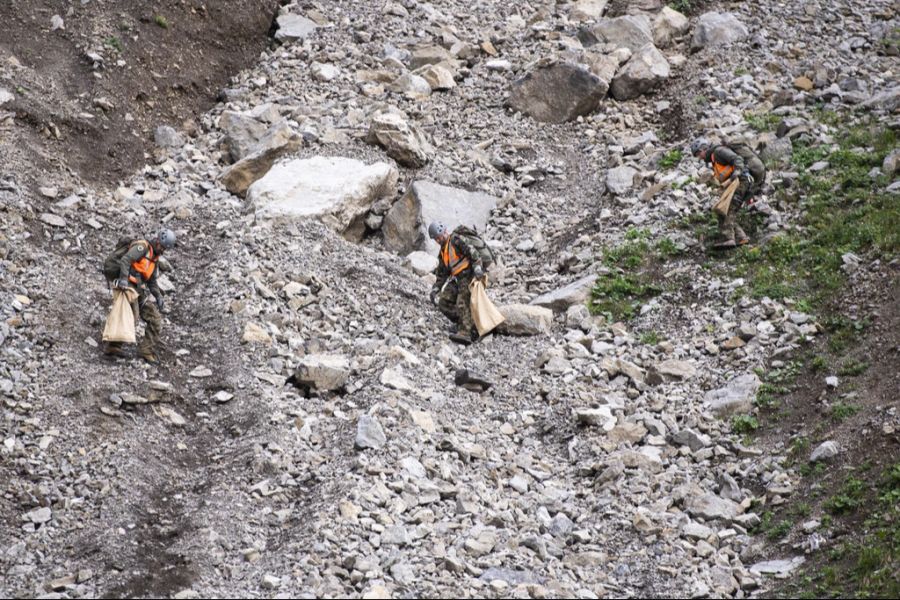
(114, 43)
(667, 248)
(744, 424)
(670, 159)
(853, 368)
(682, 6)
(818, 363)
(161, 21)
(650, 338)
(740, 71)
(762, 122)
(848, 499)
(843, 410)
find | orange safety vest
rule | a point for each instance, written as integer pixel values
(145, 266)
(722, 172)
(453, 260)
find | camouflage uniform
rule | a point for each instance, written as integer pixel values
(148, 311)
(454, 300)
(750, 163)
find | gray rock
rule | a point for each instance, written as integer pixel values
(471, 380)
(619, 180)
(557, 93)
(510, 576)
(402, 141)
(718, 29)
(587, 10)
(412, 86)
(396, 535)
(631, 31)
(600, 416)
(644, 71)
(338, 191)
(668, 25)
(561, 525)
(40, 515)
(167, 137)
(242, 133)
(779, 568)
(559, 300)
(778, 150)
(5, 96)
(322, 372)
(891, 163)
(886, 101)
(369, 433)
(420, 262)
(525, 319)
(677, 369)
(825, 451)
(293, 27)
(277, 142)
(736, 397)
(53, 220)
(710, 506)
(692, 439)
(405, 226)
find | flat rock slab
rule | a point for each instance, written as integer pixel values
(736, 397)
(575, 293)
(525, 319)
(557, 93)
(294, 27)
(779, 568)
(718, 29)
(405, 226)
(338, 191)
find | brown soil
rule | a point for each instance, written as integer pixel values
(164, 62)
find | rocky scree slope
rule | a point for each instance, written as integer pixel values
(597, 464)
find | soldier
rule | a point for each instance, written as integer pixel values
(132, 265)
(732, 161)
(463, 257)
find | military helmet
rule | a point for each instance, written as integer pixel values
(436, 230)
(699, 145)
(166, 238)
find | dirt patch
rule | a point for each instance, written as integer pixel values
(90, 95)
(847, 493)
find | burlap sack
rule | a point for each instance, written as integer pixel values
(484, 313)
(721, 207)
(120, 324)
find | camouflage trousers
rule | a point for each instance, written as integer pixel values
(728, 225)
(455, 303)
(152, 319)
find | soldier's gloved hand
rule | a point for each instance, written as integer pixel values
(745, 176)
(433, 296)
(160, 304)
(121, 284)
(478, 271)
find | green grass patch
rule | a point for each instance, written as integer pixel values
(848, 499)
(670, 159)
(114, 43)
(744, 424)
(161, 21)
(762, 122)
(853, 368)
(844, 210)
(818, 364)
(650, 338)
(843, 410)
(620, 293)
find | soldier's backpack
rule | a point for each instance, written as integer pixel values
(111, 264)
(754, 164)
(474, 240)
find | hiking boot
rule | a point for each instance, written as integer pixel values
(150, 357)
(113, 350)
(741, 238)
(725, 244)
(461, 338)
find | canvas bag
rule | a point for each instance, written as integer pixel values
(484, 313)
(721, 207)
(121, 322)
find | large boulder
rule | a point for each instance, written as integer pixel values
(559, 300)
(631, 31)
(887, 101)
(242, 133)
(405, 226)
(322, 372)
(525, 319)
(668, 25)
(557, 92)
(402, 141)
(718, 29)
(712, 507)
(587, 10)
(645, 70)
(736, 397)
(278, 141)
(339, 191)
(620, 179)
(294, 27)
